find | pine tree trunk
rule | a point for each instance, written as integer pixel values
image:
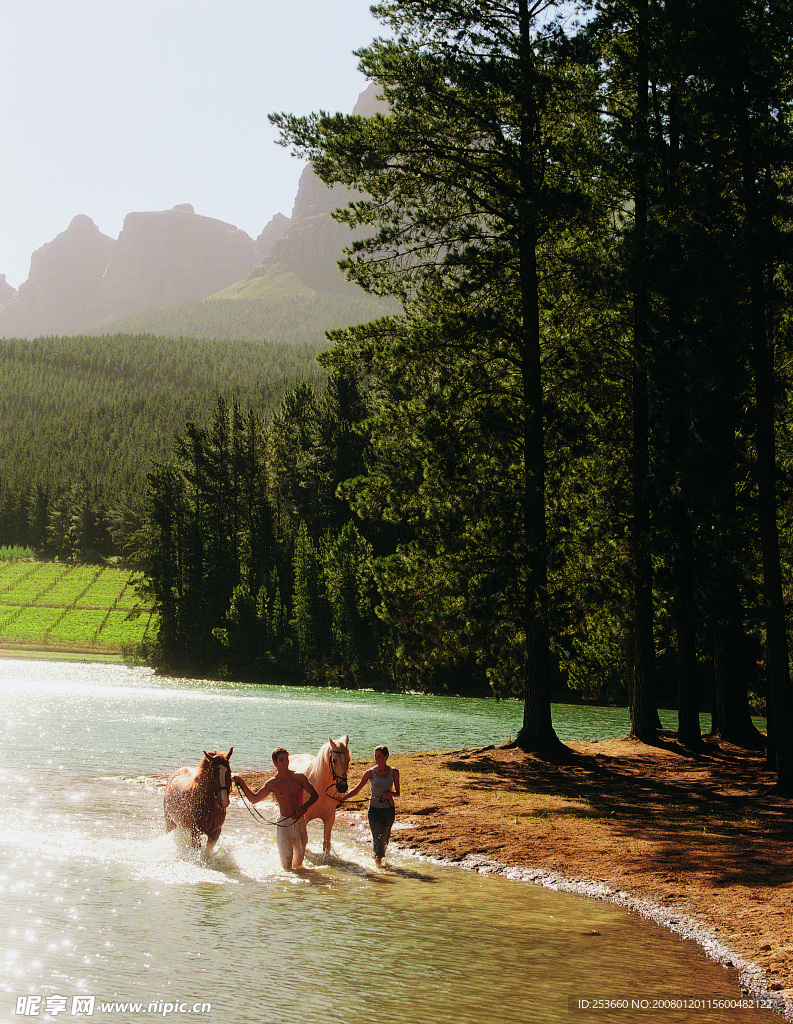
(537, 732)
(777, 658)
(688, 729)
(681, 387)
(778, 665)
(732, 720)
(643, 711)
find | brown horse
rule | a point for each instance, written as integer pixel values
(197, 798)
(327, 773)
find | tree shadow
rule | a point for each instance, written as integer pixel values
(711, 810)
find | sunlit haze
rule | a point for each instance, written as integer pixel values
(109, 107)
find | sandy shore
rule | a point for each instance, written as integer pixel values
(700, 843)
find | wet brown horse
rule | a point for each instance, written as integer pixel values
(197, 798)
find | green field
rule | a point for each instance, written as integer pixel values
(78, 609)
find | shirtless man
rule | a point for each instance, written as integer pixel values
(287, 788)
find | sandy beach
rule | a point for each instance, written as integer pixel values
(699, 842)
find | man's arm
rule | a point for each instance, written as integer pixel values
(254, 798)
(313, 795)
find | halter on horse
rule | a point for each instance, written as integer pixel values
(197, 798)
(336, 758)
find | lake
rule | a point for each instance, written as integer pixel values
(107, 918)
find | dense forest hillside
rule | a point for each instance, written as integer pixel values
(89, 415)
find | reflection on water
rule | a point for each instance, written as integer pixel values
(100, 902)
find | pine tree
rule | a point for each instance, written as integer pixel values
(473, 180)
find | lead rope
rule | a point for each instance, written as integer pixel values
(258, 816)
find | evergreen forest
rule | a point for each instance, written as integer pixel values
(565, 462)
(81, 418)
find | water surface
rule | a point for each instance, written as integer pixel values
(101, 907)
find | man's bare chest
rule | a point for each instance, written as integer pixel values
(287, 787)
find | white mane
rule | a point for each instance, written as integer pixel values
(342, 743)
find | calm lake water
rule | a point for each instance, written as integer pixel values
(102, 909)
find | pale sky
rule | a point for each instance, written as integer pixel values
(108, 107)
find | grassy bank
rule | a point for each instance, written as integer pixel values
(59, 609)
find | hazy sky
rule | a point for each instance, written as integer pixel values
(114, 106)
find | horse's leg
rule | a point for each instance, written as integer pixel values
(212, 838)
(328, 822)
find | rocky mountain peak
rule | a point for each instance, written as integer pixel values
(167, 257)
(63, 289)
(84, 280)
(7, 292)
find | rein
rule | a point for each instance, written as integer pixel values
(258, 816)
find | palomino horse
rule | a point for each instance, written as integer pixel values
(327, 773)
(197, 798)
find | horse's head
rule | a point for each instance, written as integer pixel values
(220, 773)
(339, 761)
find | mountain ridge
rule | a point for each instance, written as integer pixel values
(166, 265)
